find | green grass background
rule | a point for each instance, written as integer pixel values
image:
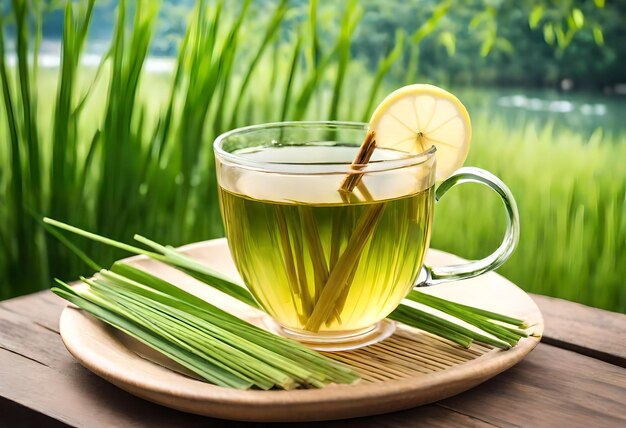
(135, 156)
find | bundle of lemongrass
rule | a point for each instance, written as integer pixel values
(490, 328)
(213, 344)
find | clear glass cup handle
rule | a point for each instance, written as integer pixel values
(438, 274)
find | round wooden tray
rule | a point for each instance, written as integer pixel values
(408, 369)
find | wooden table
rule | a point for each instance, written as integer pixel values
(575, 377)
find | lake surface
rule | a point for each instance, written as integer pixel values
(580, 112)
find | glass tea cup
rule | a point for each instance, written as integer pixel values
(328, 266)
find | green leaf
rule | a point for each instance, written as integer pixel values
(598, 35)
(448, 40)
(561, 39)
(487, 45)
(429, 26)
(504, 45)
(535, 16)
(578, 18)
(477, 20)
(599, 3)
(548, 33)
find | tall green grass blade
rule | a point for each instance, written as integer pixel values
(201, 92)
(19, 186)
(65, 175)
(24, 154)
(162, 131)
(293, 69)
(88, 161)
(383, 68)
(314, 47)
(225, 73)
(27, 108)
(270, 32)
(37, 12)
(351, 18)
(428, 27)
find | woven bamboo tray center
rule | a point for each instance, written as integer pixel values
(408, 353)
(407, 369)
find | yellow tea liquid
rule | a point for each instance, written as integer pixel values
(328, 267)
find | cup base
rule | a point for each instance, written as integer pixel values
(340, 341)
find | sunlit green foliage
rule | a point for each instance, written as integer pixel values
(119, 151)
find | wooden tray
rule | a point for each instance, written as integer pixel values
(408, 369)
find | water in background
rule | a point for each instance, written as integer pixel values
(580, 112)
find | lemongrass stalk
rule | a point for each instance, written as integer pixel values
(103, 239)
(160, 314)
(298, 246)
(432, 328)
(70, 245)
(420, 297)
(196, 316)
(171, 295)
(242, 348)
(112, 302)
(439, 322)
(200, 271)
(210, 346)
(169, 256)
(470, 317)
(202, 368)
(206, 349)
(318, 258)
(182, 260)
(516, 331)
(289, 264)
(316, 251)
(337, 279)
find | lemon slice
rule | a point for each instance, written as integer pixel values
(416, 117)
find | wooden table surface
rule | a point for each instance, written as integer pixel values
(575, 377)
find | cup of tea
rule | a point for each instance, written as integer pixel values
(328, 266)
